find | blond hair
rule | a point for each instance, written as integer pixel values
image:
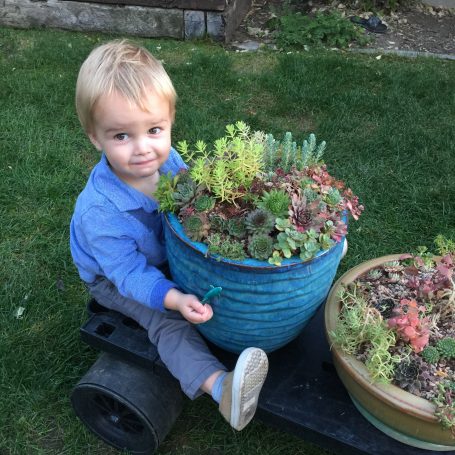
(123, 67)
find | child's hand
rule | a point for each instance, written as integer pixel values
(189, 306)
(193, 310)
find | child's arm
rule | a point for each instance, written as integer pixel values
(189, 306)
(109, 238)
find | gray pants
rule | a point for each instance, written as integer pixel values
(179, 344)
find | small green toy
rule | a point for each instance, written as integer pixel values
(213, 292)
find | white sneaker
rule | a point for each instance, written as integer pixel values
(242, 386)
(345, 249)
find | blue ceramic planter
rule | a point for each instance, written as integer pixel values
(261, 305)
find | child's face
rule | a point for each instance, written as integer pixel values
(136, 142)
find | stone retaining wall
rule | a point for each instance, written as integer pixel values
(182, 19)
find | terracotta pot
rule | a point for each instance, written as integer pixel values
(399, 414)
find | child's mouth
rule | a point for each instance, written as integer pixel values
(144, 163)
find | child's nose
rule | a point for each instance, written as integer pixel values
(143, 146)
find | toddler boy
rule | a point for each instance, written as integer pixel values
(126, 104)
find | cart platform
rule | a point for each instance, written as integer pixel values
(302, 394)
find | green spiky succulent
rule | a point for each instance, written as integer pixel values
(204, 203)
(446, 347)
(310, 195)
(431, 354)
(165, 191)
(333, 197)
(391, 264)
(196, 227)
(236, 227)
(374, 274)
(184, 193)
(394, 277)
(217, 223)
(225, 247)
(276, 202)
(260, 246)
(259, 221)
(444, 245)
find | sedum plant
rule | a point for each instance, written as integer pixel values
(362, 330)
(264, 198)
(231, 166)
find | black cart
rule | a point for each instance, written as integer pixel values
(130, 400)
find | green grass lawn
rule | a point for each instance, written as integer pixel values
(389, 125)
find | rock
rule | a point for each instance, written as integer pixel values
(248, 46)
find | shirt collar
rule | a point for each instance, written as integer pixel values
(122, 195)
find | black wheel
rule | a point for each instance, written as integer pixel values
(127, 406)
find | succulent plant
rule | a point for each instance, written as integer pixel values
(385, 307)
(311, 195)
(335, 231)
(229, 169)
(305, 216)
(392, 266)
(165, 191)
(406, 374)
(259, 221)
(394, 277)
(184, 194)
(226, 247)
(204, 203)
(248, 174)
(444, 245)
(217, 222)
(374, 274)
(446, 347)
(276, 202)
(196, 227)
(310, 153)
(236, 227)
(260, 246)
(333, 197)
(431, 354)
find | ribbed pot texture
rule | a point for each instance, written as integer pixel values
(261, 305)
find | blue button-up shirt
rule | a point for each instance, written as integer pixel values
(117, 232)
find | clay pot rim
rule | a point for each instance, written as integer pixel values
(391, 394)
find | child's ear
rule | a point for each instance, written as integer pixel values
(94, 141)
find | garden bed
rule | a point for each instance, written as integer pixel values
(418, 28)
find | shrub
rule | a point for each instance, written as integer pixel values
(331, 29)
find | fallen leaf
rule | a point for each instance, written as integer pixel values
(19, 312)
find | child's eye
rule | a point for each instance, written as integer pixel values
(121, 136)
(155, 130)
